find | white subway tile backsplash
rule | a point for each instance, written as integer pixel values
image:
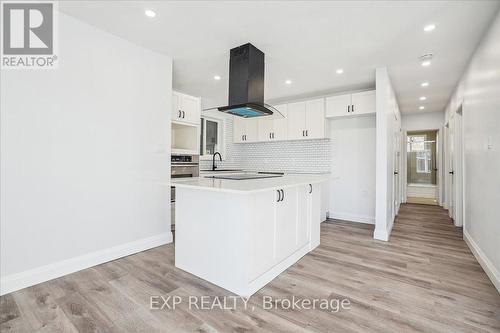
(288, 156)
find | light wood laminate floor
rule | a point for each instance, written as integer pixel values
(424, 280)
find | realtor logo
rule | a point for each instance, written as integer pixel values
(28, 35)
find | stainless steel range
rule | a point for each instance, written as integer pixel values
(182, 166)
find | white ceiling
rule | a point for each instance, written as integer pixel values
(304, 42)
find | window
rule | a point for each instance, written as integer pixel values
(211, 136)
(416, 143)
(424, 161)
(419, 146)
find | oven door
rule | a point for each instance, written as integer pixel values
(184, 170)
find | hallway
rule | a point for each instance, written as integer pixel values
(424, 279)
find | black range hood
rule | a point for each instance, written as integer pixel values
(246, 83)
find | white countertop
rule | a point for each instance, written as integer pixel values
(249, 185)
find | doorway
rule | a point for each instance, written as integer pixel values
(422, 170)
(456, 168)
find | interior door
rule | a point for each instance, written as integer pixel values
(315, 119)
(296, 121)
(451, 171)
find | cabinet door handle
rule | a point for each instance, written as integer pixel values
(348, 108)
(310, 188)
(307, 132)
(282, 195)
(279, 196)
(352, 108)
(180, 114)
(183, 114)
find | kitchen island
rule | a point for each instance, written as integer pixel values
(241, 234)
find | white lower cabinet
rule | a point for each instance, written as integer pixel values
(286, 222)
(288, 219)
(248, 237)
(262, 231)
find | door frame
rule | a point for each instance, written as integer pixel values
(460, 166)
(456, 188)
(439, 162)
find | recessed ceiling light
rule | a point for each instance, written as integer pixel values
(339, 71)
(216, 77)
(423, 98)
(426, 59)
(421, 107)
(288, 81)
(424, 84)
(429, 27)
(150, 13)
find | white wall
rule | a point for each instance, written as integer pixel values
(422, 121)
(83, 149)
(388, 145)
(478, 92)
(352, 188)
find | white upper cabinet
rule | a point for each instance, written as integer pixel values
(303, 120)
(185, 108)
(245, 130)
(351, 104)
(296, 121)
(337, 106)
(315, 119)
(266, 128)
(306, 120)
(273, 128)
(363, 102)
(280, 124)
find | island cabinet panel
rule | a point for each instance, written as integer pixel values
(304, 211)
(315, 198)
(286, 223)
(239, 238)
(261, 233)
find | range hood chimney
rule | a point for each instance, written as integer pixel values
(246, 83)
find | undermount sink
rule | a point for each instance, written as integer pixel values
(245, 176)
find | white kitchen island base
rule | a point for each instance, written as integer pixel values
(242, 238)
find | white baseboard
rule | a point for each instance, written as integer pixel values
(483, 260)
(352, 217)
(48, 272)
